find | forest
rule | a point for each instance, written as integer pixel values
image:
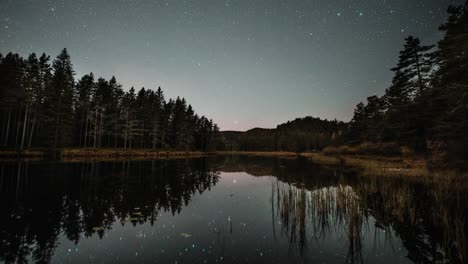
(300, 135)
(42, 105)
(425, 108)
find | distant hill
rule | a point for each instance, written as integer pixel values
(302, 134)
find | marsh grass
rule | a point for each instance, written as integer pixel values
(369, 148)
(281, 154)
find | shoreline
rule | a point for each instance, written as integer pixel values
(371, 165)
(104, 153)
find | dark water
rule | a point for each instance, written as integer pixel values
(226, 209)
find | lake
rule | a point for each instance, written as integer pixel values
(230, 209)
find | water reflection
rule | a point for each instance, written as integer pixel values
(41, 201)
(428, 215)
(307, 211)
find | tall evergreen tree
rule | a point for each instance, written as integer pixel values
(86, 89)
(415, 65)
(13, 96)
(449, 96)
(414, 70)
(59, 101)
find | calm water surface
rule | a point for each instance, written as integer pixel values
(225, 209)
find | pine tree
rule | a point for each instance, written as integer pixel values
(86, 89)
(166, 119)
(130, 122)
(367, 122)
(13, 96)
(397, 103)
(59, 101)
(415, 65)
(448, 100)
(404, 99)
(156, 115)
(374, 114)
(178, 123)
(32, 89)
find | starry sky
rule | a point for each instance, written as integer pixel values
(244, 63)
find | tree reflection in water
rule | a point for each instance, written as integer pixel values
(427, 214)
(41, 201)
(314, 205)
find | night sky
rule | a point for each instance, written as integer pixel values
(245, 63)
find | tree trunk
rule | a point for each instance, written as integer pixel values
(25, 124)
(18, 128)
(126, 130)
(33, 127)
(86, 130)
(163, 142)
(80, 135)
(155, 138)
(115, 134)
(56, 131)
(100, 129)
(7, 132)
(130, 139)
(142, 136)
(95, 127)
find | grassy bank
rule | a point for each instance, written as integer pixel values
(411, 166)
(375, 165)
(95, 153)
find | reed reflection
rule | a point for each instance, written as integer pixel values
(313, 207)
(427, 214)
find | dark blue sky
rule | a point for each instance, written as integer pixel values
(245, 63)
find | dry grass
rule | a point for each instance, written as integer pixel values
(281, 154)
(77, 154)
(369, 148)
(388, 167)
(127, 153)
(319, 158)
(370, 165)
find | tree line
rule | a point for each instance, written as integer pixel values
(426, 106)
(42, 105)
(300, 135)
